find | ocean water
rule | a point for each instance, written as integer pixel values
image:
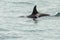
(13, 27)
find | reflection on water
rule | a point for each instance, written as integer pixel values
(35, 20)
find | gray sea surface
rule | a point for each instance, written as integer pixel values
(13, 27)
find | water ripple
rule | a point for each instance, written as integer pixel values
(21, 3)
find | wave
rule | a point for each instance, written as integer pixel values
(1, 29)
(21, 2)
(58, 14)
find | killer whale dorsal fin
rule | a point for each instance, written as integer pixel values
(34, 10)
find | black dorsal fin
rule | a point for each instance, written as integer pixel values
(34, 10)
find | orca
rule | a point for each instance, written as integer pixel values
(36, 14)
